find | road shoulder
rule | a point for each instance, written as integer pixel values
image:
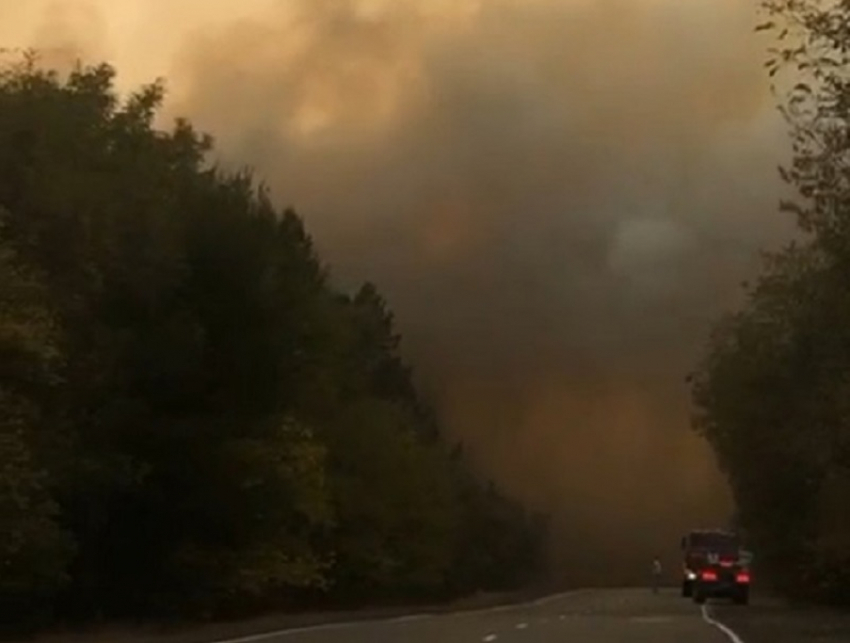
(223, 630)
(776, 621)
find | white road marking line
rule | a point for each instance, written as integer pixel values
(489, 637)
(409, 618)
(252, 638)
(295, 630)
(715, 623)
(521, 626)
(555, 597)
(264, 636)
(515, 606)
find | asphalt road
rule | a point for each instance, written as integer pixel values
(597, 616)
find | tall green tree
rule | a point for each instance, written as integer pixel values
(195, 419)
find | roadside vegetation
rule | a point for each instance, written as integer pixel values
(772, 394)
(194, 421)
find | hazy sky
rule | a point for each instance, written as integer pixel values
(557, 197)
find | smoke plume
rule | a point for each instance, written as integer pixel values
(557, 197)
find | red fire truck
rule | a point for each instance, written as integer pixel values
(715, 565)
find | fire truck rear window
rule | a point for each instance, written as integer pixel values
(713, 541)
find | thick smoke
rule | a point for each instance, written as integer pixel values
(557, 196)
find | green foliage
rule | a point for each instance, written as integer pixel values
(198, 420)
(771, 395)
(397, 537)
(257, 505)
(488, 536)
(34, 549)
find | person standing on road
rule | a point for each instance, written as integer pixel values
(656, 574)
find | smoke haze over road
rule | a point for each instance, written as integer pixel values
(556, 196)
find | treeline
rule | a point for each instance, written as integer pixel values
(193, 420)
(773, 393)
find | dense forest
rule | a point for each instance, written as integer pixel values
(772, 395)
(193, 419)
